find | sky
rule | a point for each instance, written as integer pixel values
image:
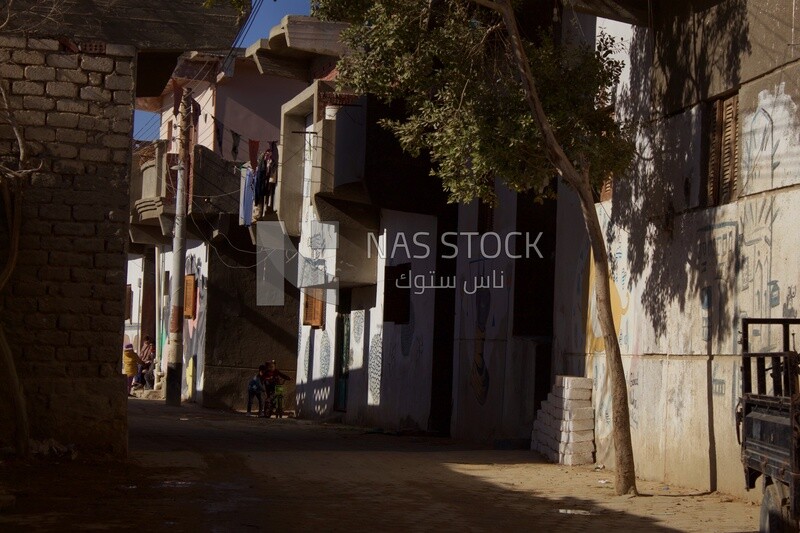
(268, 14)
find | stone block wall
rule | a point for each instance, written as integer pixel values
(63, 309)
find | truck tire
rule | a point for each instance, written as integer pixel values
(775, 516)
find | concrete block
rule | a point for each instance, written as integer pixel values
(40, 73)
(49, 45)
(34, 133)
(62, 89)
(27, 87)
(119, 83)
(120, 50)
(575, 425)
(30, 118)
(27, 57)
(95, 94)
(573, 394)
(577, 436)
(10, 71)
(40, 103)
(561, 403)
(72, 76)
(72, 106)
(12, 41)
(68, 61)
(582, 413)
(573, 382)
(62, 120)
(95, 154)
(71, 136)
(576, 459)
(576, 447)
(97, 64)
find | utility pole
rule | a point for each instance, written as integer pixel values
(176, 280)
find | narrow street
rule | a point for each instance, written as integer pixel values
(194, 469)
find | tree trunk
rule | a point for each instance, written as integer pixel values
(623, 448)
(621, 425)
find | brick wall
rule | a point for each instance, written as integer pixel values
(63, 308)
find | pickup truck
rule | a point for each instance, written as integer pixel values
(768, 425)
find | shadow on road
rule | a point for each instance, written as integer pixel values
(194, 469)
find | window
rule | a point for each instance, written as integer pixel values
(485, 217)
(189, 296)
(314, 308)
(607, 190)
(397, 299)
(722, 178)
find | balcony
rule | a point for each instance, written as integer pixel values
(213, 193)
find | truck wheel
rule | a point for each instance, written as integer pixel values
(775, 517)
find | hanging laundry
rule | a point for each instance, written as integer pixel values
(261, 178)
(218, 129)
(195, 113)
(272, 175)
(235, 148)
(253, 147)
(246, 193)
(177, 94)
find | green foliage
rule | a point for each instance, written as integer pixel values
(450, 63)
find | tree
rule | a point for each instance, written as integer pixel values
(487, 103)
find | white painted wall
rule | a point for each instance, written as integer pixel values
(133, 326)
(682, 283)
(197, 256)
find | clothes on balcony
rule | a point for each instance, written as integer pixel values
(253, 147)
(236, 138)
(246, 195)
(261, 179)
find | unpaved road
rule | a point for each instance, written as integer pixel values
(193, 469)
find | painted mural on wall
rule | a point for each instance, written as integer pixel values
(770, 142)
(374, 370)
(195, 328)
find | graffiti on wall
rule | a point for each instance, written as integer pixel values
(759, 291)
(619, 281)
(769, 136)
(374, 370)
(324, 355)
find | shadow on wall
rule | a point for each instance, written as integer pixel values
(676, 248)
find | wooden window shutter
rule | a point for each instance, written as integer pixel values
(607, 190)
(729, 153)
(189, 296)
(714, 152)
(314, 308)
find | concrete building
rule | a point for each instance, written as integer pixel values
(503, 332)
(701, 235)
(370, 348)
(226, 335)
(72, 82)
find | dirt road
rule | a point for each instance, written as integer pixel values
(193, 469)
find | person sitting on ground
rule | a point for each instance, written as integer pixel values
(147, 354)
(255, 389)
(130, 362)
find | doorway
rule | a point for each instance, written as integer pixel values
(342, 354)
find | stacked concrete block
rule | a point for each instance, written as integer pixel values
(564, 427)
